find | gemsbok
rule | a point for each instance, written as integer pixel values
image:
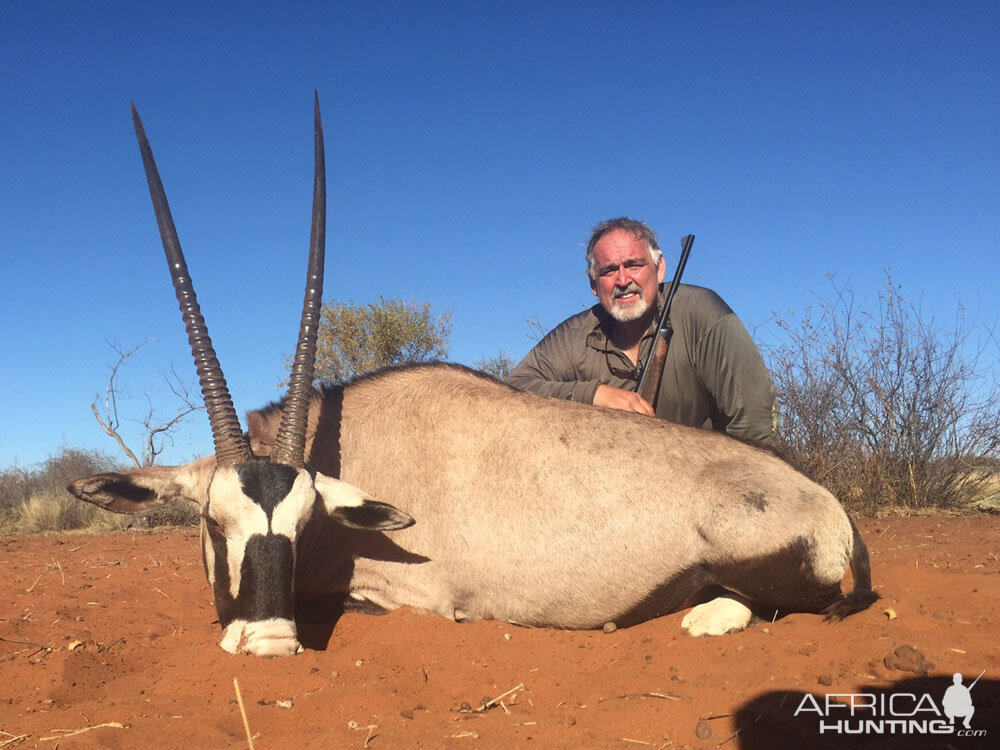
(444, 489)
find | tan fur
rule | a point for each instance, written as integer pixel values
(540, 511)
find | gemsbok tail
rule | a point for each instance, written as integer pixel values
(862, 596)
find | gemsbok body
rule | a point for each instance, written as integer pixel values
(441, 488)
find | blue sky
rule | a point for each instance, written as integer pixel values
(470, 148)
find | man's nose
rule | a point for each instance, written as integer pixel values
(622, 278)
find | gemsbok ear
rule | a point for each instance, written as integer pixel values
(144, 489)
(352, 507)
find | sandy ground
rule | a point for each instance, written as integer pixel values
(119, 630)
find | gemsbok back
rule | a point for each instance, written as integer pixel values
(441, 488)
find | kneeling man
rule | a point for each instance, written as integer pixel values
(713, 377)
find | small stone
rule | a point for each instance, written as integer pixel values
(649, 657)
(335, 673)
(407, 714)
(284, 704)
(825, 679)
(359, 663)
(610, 627)
(314, 670)
(353, 726)
(907, 659)
(703, 730)
(465, 706)
(571, 720)
(506, 636)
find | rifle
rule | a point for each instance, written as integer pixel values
(652, 370)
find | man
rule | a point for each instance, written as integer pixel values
(713, 375)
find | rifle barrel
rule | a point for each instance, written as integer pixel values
(686, 243)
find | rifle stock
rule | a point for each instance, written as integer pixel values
(652, 373)
(652, 370)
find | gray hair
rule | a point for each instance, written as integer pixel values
(637, 229)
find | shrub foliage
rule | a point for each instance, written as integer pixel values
(357, 339)
(883, 405)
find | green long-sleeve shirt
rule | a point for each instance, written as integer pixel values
(713, 375)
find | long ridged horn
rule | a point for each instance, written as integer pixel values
(289, 445)
(231, 447)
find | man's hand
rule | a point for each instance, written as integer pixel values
(616, 398)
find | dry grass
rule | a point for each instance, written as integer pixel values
(51, 512)
(988, 496)
(45, 512)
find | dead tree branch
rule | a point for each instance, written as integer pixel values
(156, 430)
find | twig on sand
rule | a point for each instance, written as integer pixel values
(32, 586)
(110, 646)
(243, 713)
(12, 738)
(60, 571)
(629, 696)
(371, 728)
(157, 590)
(71, 732)
(490, 703)
(76, 549)
(39, 646)
(636, 742)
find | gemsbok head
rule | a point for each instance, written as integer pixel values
(253, 509)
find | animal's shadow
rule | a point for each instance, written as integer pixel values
(317, 615)
(770, 721)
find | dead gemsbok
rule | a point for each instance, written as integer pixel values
(519, 508)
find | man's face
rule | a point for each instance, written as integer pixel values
(627, 280)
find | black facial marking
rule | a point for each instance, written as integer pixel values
(266, 579)
(265, 483)
(755, 499)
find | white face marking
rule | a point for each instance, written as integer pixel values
(292, 513)
(209, 550)
(272, 637)
(240, 518)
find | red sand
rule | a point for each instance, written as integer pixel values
(120, 629)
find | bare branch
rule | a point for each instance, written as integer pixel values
(113, 432)
(884, 406)
(156, 431)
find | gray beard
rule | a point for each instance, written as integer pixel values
(630, 312)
